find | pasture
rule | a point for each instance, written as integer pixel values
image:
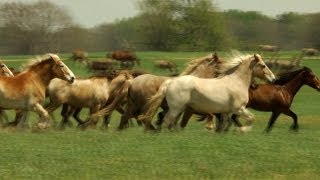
(193, 153)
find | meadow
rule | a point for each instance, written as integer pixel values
(192, 153)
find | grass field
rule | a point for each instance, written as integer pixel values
(193, 153)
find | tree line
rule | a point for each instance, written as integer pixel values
(171, 25)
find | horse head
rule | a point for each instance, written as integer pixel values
(310, 79)
(61, 70)
(260, 69)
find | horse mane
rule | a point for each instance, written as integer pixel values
(192, 65)
(285, 77)
(236, 58)
(35, 61)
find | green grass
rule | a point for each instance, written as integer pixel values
(193, 153)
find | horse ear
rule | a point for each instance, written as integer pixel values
(215, 56)
(256, 57)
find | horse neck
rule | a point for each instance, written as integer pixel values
(204, 72)
(294, 85)
(244, 73)
(43, 74)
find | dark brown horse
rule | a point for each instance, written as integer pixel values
(278, 96)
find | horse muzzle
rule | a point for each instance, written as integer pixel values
(71, 79)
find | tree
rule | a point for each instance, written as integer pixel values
(29, 27)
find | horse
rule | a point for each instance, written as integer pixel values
(26, 91)
(310, 51)
(164, 64)
(79, 55)
(270, 48)
(278, 97)
(227, 94)
(91, 93)
(126, 58)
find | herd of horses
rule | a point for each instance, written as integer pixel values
(208, 87)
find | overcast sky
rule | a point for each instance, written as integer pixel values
(93, 12)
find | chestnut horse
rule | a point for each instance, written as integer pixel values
(4, 71)
(26, 91)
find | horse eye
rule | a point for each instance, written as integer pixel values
(2, 65)
(263, 66)
(61, 65)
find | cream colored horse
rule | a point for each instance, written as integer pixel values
(90, 93)
(26, 91)
(227, 94)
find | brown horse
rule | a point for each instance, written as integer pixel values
(26, 91)
(278, 96)
(164, 64)
(126, 58)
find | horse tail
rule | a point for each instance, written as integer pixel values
(116, 97)
(154, 103)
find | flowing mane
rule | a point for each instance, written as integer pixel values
(236, 59)
(35, 61)
(192, 65)
(287, 76)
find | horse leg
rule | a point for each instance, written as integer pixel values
(248, 116)
(186, 116)
(221, 121)
(92, 122)
(295, 125)
(75, 115)
(65, 116)
(106, 121)
(3, 117)
(20, 118)
(170, 118)
(44, 116)
(234, 119)
(128, 113)
(274, 116)
(210, 122)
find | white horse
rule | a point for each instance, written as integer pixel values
(227, 94)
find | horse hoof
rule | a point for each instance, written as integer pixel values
(245, 129)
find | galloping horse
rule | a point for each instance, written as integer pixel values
(226, 94)
(26, 91)
(92, 93)
(278, 97)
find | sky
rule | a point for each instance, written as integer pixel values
(94, 12)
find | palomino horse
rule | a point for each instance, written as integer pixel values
(278, 97)
(90, 93)
(226, 94)
(26, 91)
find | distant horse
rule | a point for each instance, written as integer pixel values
(310, 51)
(79, 55)
(26, 91)
(164, 64)
(270, 48)
(227, 94)
(90, 93)
(126, 58)
(101, 65)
